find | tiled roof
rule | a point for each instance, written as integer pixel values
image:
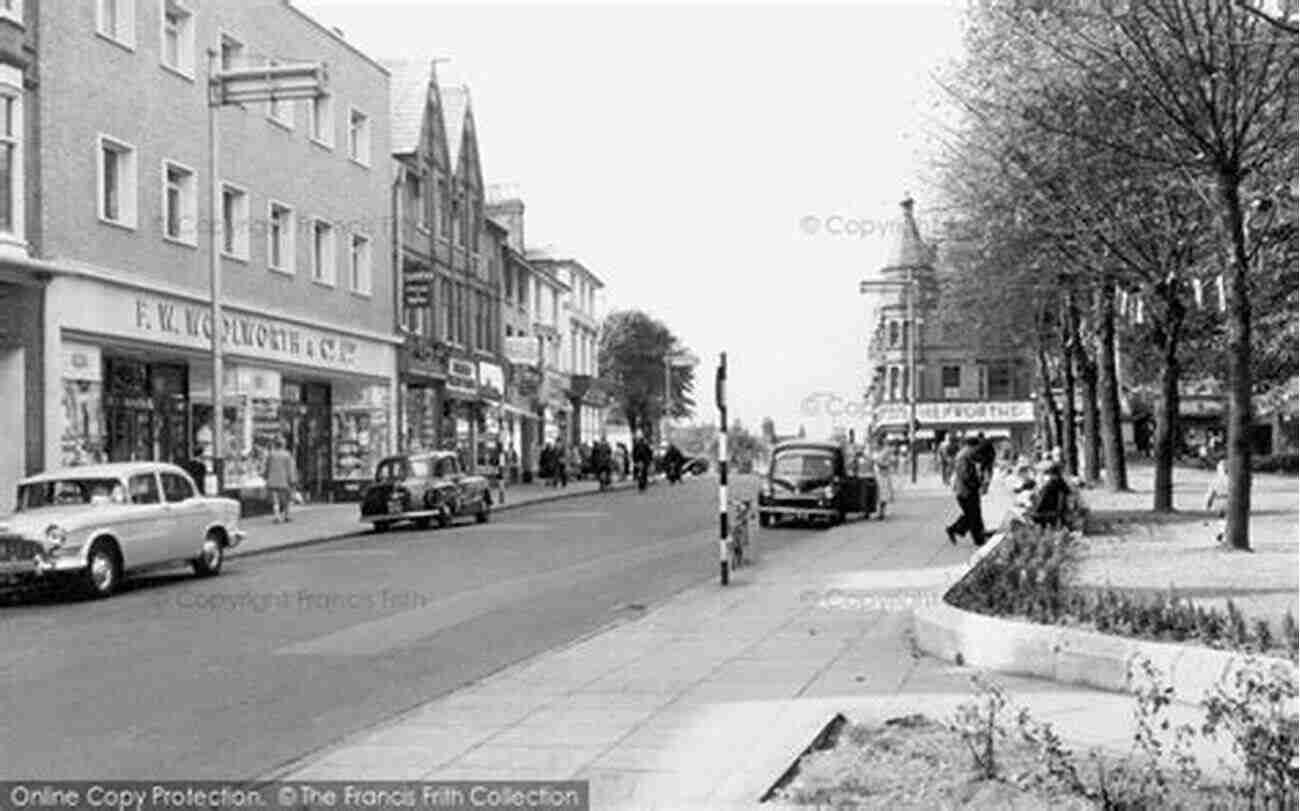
(455, 104)
(408, 97)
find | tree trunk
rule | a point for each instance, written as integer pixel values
(1112, 433)
(1169, 336)
(1237, 532)
(1069, 433)
(1091, 415)
(1052, 415)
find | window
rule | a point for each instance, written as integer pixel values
(11, 153)
(143, 488)
(1001, 377)
(280, 111)
(176, 487)
(117, 182)
(415, 204)
(279, 238)
(360, 264)
(893, 383)
(444, 209)
(448, 311)
(178, 37)
(893, 334)
(359, 137)
(322, 120)
(457, 219)
(232, 52)
(116, 20)
(234, 221)
(180, 203)
(322, 253)
(951, 382)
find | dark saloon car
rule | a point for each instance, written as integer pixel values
(423, 488)
(814, 480)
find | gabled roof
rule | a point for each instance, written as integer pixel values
(408, 99)
(455, 107)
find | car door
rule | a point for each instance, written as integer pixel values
(187, 516)
(145, 541)
(851, 495)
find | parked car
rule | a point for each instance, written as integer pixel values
(92, 525)
(811, 480)
(696, 466)
(424, 488)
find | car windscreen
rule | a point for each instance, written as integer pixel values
(804, 465)
(64, 492)
(397, 469)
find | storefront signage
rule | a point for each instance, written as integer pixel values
(491, 380)
(462, 378)
(1201, 406)
(82, 362)
(523, 350)
(1020, 411)
(105, 309)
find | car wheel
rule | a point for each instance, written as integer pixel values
(764, 519)
(383, 526)
(208, 563)
(103, 571)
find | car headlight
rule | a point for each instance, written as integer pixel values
(828, 491)
(55, 535)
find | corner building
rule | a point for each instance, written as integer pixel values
(305, 243)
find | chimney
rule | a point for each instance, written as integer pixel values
(509, 211)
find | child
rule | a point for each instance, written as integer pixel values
(1218, 491)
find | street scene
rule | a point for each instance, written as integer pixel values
(886, 405)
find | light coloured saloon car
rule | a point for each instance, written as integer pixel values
(91, 525)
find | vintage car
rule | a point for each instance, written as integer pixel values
(423, 488)
(814, 480)
(91, 525)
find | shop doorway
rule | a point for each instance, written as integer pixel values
(305, 419)
(146, 408)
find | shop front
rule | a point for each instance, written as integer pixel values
(422, 367)
(1011, 421)
(135, 383)
(522, 406)
(461, 410)
(493, 437)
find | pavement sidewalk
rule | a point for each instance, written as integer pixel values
(706, 700)
(324, 522)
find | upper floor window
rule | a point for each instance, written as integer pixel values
(234, 221)
(359, 266)
(322, 253)
(279, 238)
(178, 37)
(117, 181)
(115, 19)
(232, 52)
(894, 334)
(322, 120)
(416, 209)
(11, 153)
(279, 110)
(359, 137)
(1001, 381)
(180, 203)
(950, 380)
(444, 209)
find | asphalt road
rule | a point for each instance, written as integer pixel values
(284, 653)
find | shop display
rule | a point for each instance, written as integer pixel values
(83, 423)
(360, 431)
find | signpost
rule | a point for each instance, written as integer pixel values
(240, 86)
(720, 396)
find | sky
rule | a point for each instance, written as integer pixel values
(734, 170)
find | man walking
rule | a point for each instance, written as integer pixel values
(968, 485)
(281, 478)
(642, 457)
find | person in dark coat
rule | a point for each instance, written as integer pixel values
(642, 458)
(986, 455)
(673, 460)
(968, 485)
(198, 470)
(1052, 499)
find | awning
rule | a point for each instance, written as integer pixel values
(518, 411)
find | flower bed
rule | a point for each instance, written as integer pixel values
(1030, 577)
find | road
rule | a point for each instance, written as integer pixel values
(284, 653)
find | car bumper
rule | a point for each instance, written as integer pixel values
(809, 510)
(410, 515)
(40, 567)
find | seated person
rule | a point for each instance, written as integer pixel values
(1051, 501)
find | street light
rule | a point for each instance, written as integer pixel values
(240, 86)
(909, 287)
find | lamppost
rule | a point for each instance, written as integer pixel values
(227, 86)
(909, 288)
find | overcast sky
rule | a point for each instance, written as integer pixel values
(680, 151)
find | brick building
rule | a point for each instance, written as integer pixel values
(959, 389)
(117, 343)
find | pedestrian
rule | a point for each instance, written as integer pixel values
(1051, 501)
(546, 464)
(497, 460)
(883, 464)
(986, 457)
(624, 462)
(642, 458)
(968, 486)
(561, 464)
(1218, 491)
(197, 469)
(281, 478)
(947, 455)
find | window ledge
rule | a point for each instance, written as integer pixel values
(125, 226)
(326, 145)
(109, 38)
(187, 75)
(234, 257)
(359, 162)
(324, 283)
(284, 125)
(182, 241)
(279, 270)
(362, 294)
